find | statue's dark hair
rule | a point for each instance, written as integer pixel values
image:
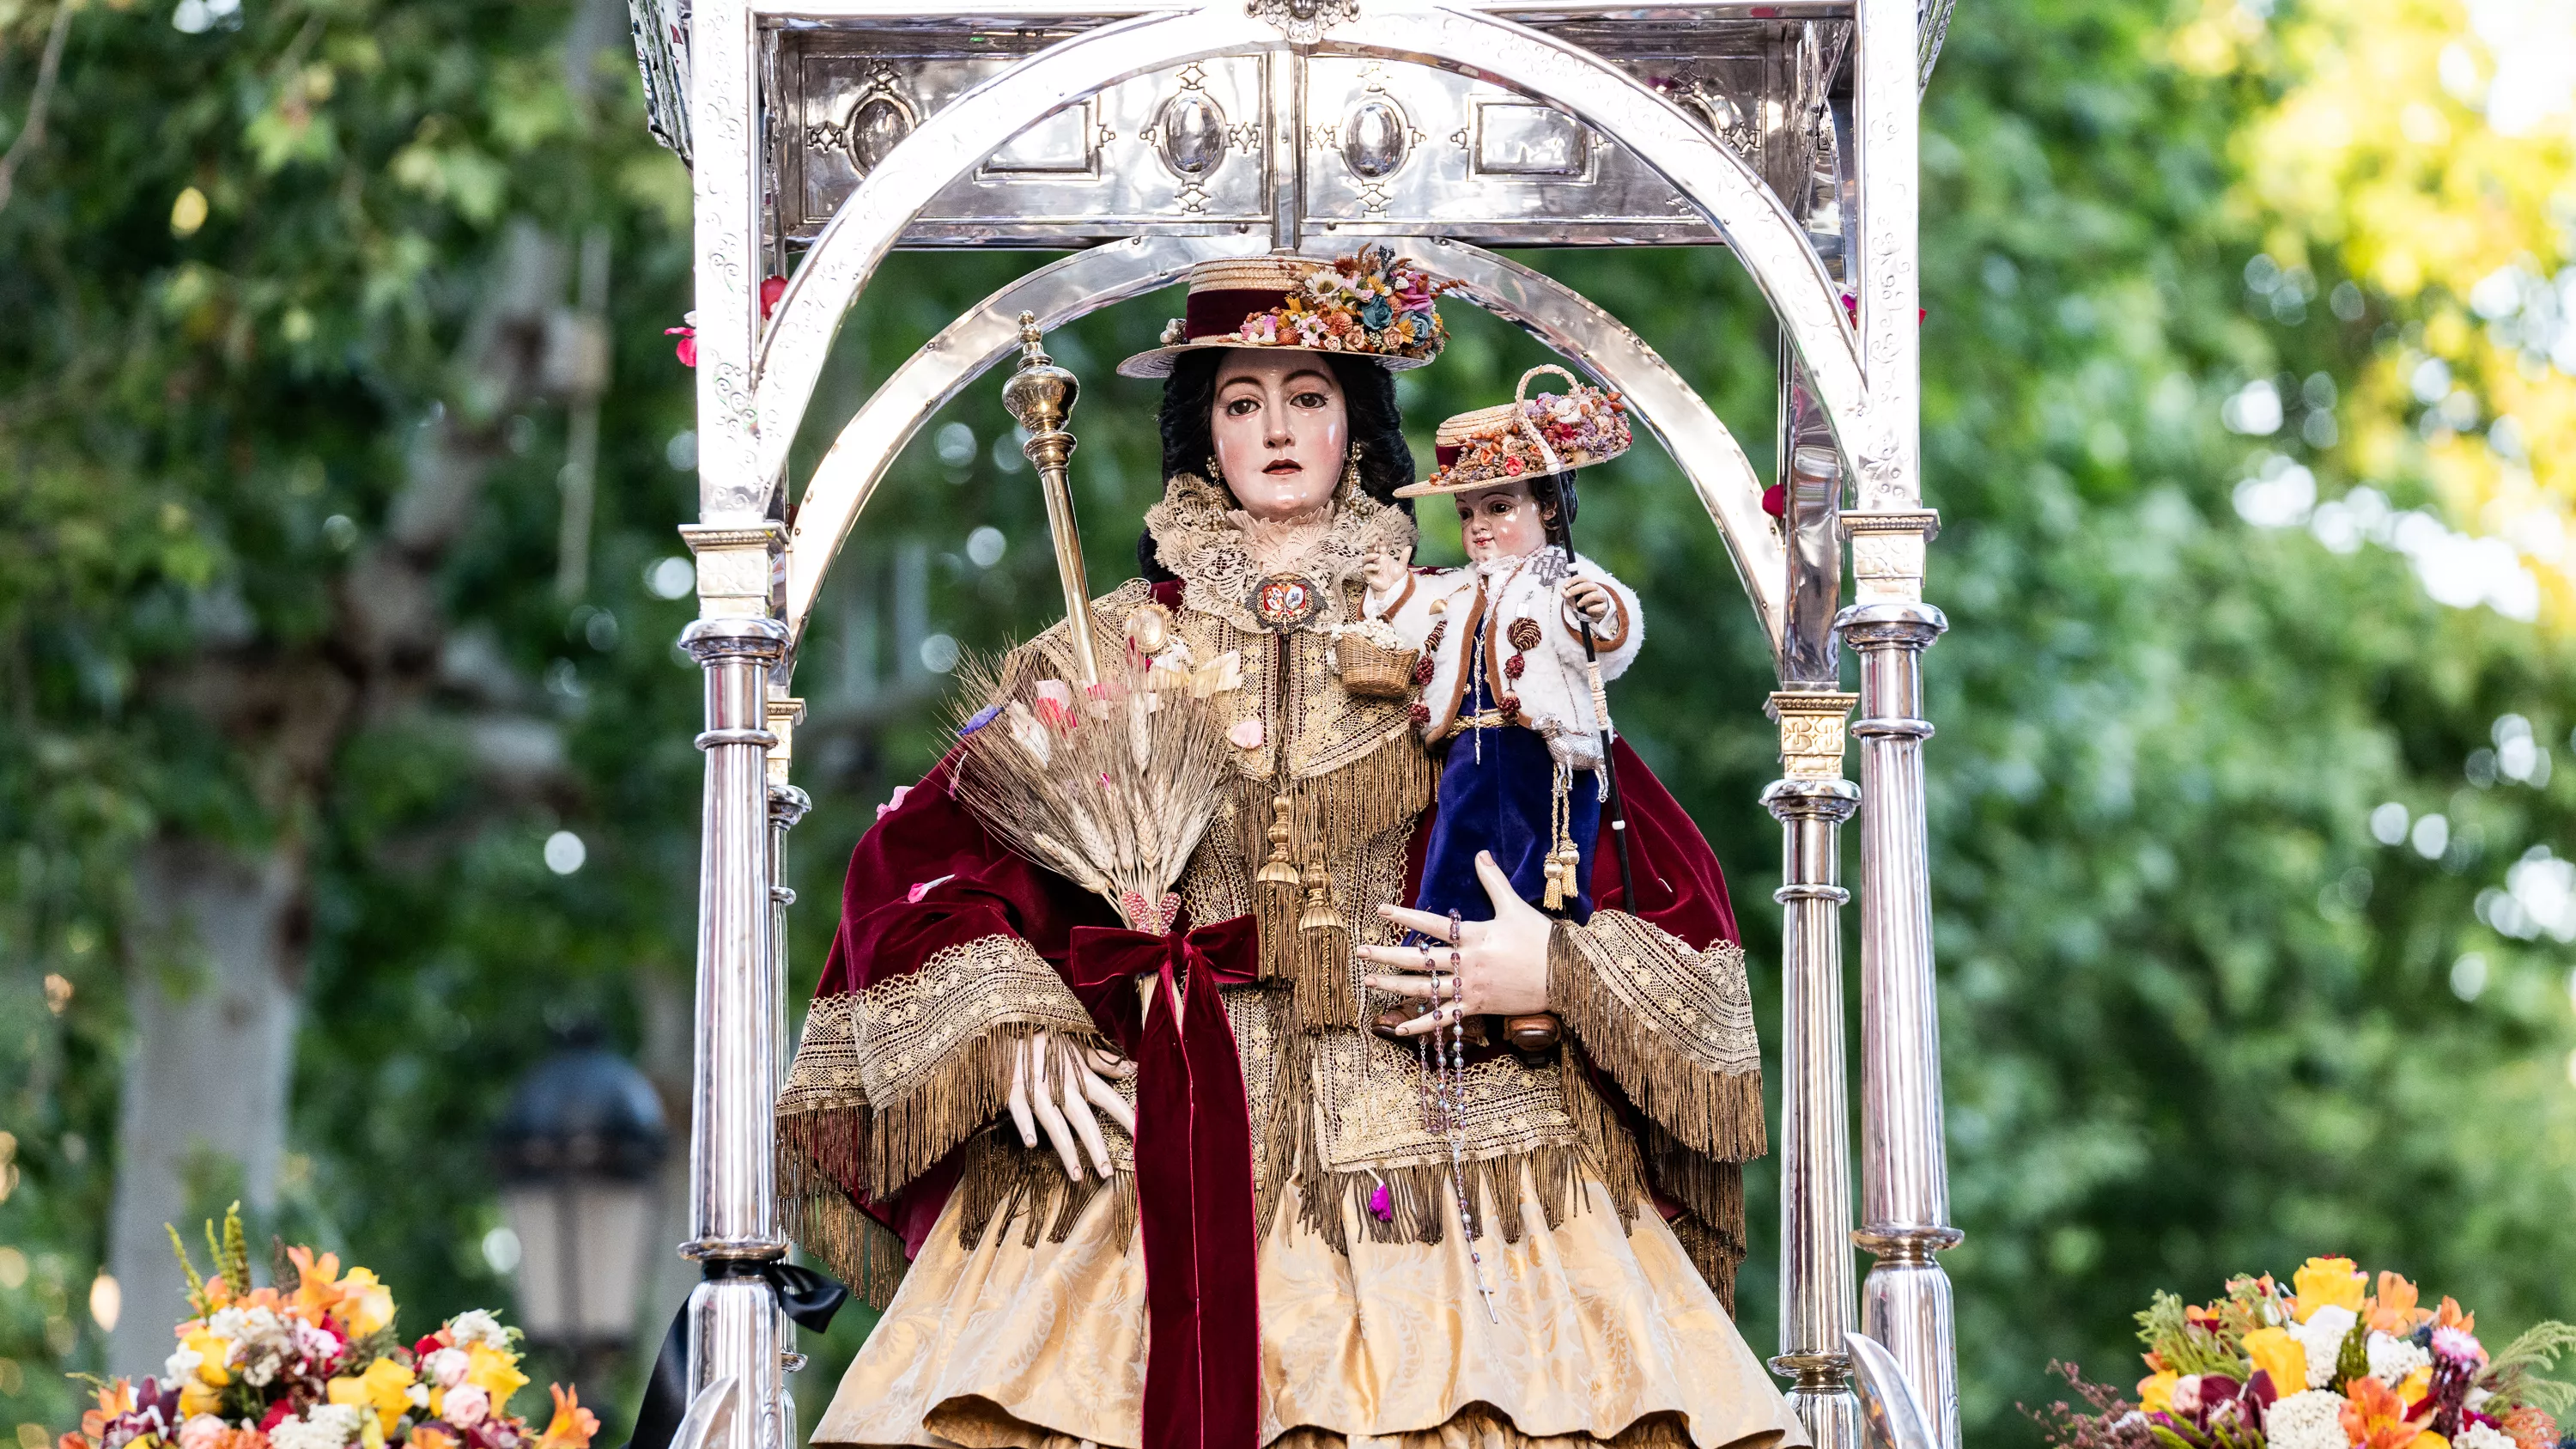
(1368, 395)
(1554, 495)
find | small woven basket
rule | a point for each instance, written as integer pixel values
(1373, 671)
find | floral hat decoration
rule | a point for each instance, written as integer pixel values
(1528, 437)
(1371, 304)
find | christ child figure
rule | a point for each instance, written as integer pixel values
(1506, 669)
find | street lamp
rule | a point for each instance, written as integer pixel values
(577, 1152)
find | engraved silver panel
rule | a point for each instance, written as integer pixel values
(1178, 148)
(1371, 145)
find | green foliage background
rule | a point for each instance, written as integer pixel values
(2196, 1020)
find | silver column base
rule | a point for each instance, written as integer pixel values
(1905, 1304)
(736, 1328)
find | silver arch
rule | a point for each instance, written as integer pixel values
(1075, 286)
(1712, 176)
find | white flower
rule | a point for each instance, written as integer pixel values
(2322, 1336)
(2312, 1419)
(445, 1367)
(226, 1324)
(474, 1326)
(417, 1395)
(327, 1426)
(181, 1365)
(2482, 1436)
(2392, 1359)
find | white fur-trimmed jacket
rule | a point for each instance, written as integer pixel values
(1487, 600)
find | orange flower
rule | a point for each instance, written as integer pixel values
(2393, 1310)
(2452, 1316)
(425, 1437)
(2531, 1428)
(572, 1426)
(317, 1287)
(113, 1399)
(2375, 1418)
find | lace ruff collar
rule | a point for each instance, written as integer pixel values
(1197, 538)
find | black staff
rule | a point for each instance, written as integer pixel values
(1617, 814)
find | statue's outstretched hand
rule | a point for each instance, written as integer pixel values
(1502, 963)
(1054, 1085)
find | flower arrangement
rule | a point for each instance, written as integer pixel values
(1582, 426)
(1371, 302)
(2337, 1361)
(313, 1362)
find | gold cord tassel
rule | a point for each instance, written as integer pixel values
(1277, 870)
(1319, 914)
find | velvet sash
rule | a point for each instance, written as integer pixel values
(1194, 1198)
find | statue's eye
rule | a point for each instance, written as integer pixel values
(1311, 399)
(1242, 406)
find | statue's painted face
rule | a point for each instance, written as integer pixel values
(1501, 522)
(1282, 431)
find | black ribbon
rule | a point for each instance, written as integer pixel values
(810, 1298)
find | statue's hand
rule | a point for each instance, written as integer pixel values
(1589, 598)
(1382, 571)
(1502, 963)
(1054, 1085)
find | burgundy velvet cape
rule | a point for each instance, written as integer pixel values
(928, 876)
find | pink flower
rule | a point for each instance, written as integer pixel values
(465, 1406)
(895, 802)
(1382, 1204)
(686, 349)
(202, 1431)
(1246, 734)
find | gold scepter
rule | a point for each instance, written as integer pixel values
(1040, 398)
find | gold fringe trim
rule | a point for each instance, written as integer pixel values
(1713, 1255)
(1712, 1111)
(1002, 1183)
(1711, 1194)
(1419, 1193)
(1334, 820)
(862, 1252)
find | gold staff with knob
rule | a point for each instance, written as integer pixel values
(1040, 398)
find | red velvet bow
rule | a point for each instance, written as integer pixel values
(1193, 1172)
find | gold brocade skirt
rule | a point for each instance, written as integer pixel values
(1606, 1336)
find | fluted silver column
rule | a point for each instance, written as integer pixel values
(1816, 1300)
(736, 1329)
(1905, 1189)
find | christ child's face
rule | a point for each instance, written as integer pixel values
(1501, 522)
(1281, 431)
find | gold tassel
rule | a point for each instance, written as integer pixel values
(1277, 870)
(1319, 914)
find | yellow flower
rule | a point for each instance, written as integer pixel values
(385, 1387)
(196, 1398)
(2428, 1440)
(494, 1372)
(2416, 1385)
(346, 1390)
(367, 1305)
(2323, 1281)
(2275, 1352)
(211, 1353)
(2155, 1392)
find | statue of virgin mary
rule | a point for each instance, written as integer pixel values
(1251, 1220)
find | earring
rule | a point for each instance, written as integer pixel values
(1214, 474)
(1351, 470)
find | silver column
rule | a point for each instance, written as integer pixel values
(1905, 1190)
(735, 1327)
(1811, 802)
